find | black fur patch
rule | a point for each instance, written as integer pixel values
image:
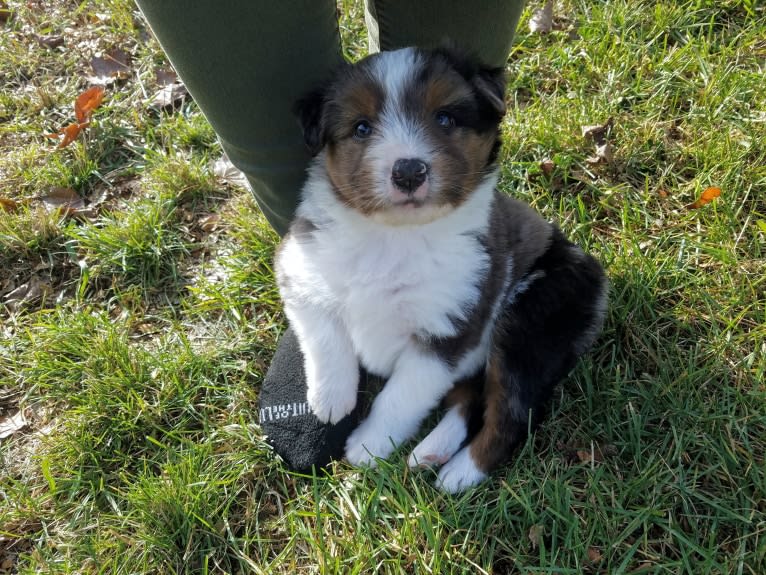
(537, 341)
(516, 232)
(309, 112)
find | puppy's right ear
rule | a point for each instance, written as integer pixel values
(309, 111)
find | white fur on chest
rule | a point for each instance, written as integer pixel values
(387, 284)
(392, 286)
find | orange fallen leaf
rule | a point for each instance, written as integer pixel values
(84, 105)
(706, 197)
(88, 101)
(69, 134)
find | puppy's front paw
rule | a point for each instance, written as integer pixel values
(332, 399)
(460, 473)
(367, 442)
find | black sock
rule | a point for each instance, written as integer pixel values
(290, 427)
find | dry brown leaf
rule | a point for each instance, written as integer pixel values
(541, 21)
(547, 166)
(5, 13)
(595, 454)
(12, 424)
(147, 328)
(594, 555)
(169, 96)
(62, 198)
(50, 40)
(120, 187)
(535, 535)
(599, 135)
(8, 205)
(66, 201)
(585, 456)
(27, 292)
(210, 223)
(706, 197)
(113, 65)
(88, 101)
(165, 76)
(228, 172)
(604, 153)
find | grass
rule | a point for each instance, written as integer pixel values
(138, 355)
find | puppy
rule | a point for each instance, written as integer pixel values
(404, 257)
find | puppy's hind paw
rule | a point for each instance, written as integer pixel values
(442, 443)
(366, 443)
(459, 473)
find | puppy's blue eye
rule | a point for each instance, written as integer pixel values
(445, 120)
(362, 129)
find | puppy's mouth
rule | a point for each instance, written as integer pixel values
(410, 202)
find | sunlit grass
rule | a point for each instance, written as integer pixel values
(139, 371)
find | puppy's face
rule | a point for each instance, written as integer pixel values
(407, 135)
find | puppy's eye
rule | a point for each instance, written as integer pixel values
(362, 129)
(445, 120)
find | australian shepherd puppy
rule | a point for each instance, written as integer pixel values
(404, 257)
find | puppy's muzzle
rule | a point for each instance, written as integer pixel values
(409, 174)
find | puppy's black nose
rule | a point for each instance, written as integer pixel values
(408, 174)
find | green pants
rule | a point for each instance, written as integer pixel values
(246, 62)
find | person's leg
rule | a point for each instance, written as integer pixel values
(245, 63)
(484, 28)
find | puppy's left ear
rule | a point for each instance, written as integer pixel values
(309, 111)
(489, 84)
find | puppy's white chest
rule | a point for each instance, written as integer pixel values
(392, 286)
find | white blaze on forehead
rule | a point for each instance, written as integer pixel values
(394, 70)
(400, 136)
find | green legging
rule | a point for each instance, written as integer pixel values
(245, 62)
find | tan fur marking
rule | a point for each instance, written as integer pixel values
(462, 168)
(464, 395)
(351, 177)
(360, 98)
(441, 91)
(460, 158)
(488, 448)
(461, 162)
